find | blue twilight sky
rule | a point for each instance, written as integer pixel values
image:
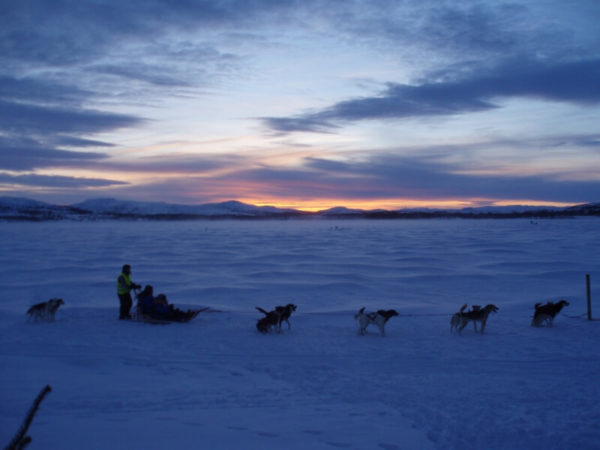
(301, 103)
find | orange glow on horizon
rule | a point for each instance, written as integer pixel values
(314, 205)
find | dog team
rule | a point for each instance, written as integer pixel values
(544, 315)
(272, 320)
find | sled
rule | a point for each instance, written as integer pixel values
(186, 317)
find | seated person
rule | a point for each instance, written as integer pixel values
(158, 307)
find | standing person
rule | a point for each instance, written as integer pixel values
(124, 287)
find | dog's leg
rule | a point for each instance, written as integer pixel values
(483, 322)
(362, 327)
(361, 323)
(454, 322)
(463, 324)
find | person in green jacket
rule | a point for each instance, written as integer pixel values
(124, 287)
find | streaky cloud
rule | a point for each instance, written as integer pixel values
(317, 123)
(34, 90)
(56, 181)
(148, 74)
(572, 82)
(42, 119)
(27, 154)
(71, 141)
(387, 176)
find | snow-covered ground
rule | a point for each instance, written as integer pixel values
(217, 383)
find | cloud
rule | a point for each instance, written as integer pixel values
(67, 33)
(70, 141)
(426, 178)
(573, 82)
(59, 61)
(55, 181)
(156, 76)
(23, 154)
(382, 177)
(31, 135)
(386, 176)
(32, 90)
(22, 118)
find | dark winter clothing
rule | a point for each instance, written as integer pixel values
(149, 307)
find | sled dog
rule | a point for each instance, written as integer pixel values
(285, 313)
(545, 314)
(275, 317)
(477, 314)
(378, 318)
(45, 310)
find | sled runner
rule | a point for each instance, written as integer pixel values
(170, 315)
(157, 318)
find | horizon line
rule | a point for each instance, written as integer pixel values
(351, 205)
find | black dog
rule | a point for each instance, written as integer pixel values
(545, 314)
(271, 319)
(275, 317)
(284, 313)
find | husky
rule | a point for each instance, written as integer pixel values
(477, 314)
(545, 314)
(378, 318)
(45, 310)
(285, 313)
(275, 318)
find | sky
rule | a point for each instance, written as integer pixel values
(307, 104)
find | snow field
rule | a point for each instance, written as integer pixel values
(218, 383)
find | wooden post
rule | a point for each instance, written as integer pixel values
(589, 296)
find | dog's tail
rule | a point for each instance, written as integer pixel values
(462, 308)
(361, 311)
(262, 310)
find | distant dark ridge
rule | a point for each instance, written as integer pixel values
(18, 209)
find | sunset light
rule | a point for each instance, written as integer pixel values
(398, 105)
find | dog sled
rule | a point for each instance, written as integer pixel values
(157, 310)
(156, 318)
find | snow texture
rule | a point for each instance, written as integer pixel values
(217, 383)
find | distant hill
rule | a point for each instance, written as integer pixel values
(107, 206)
(23, 209)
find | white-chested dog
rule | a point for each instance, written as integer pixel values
(45, 310)
(477, 314)
(378, 318)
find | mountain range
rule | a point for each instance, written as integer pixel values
(23, 209)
